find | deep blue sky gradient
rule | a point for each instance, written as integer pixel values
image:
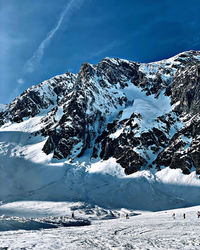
(144, 31)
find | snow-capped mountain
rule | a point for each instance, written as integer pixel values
(138, 115)
(143, 115)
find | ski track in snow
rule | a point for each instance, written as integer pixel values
(150, 230)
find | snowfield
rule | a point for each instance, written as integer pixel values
(147, 230)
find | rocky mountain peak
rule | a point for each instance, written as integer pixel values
(145, 115)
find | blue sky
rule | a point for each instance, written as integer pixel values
(42, 38)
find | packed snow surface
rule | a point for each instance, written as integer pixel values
(146, 230)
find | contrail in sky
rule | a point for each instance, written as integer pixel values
(32, 63)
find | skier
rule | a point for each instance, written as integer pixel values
(183, 216)
(127, 217)
(72, 215)
(198, 214)
(112, 215)
(173, 216)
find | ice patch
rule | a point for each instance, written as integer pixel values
(59, 114)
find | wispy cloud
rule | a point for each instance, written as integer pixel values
(34, 61)
(104, 49)
(20, 81)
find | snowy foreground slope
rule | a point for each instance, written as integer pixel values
(148, 230)
(117, 134)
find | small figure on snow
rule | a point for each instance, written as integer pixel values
(173, 216)
(127, 216)
(111, 214)
(198, 214)
(72, 215)
(183, 216)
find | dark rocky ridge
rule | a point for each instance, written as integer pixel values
(87, 112)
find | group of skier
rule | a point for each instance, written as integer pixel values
(173, 215)
(184, 216)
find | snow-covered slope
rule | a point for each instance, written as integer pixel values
(77, 136)
(149, 230)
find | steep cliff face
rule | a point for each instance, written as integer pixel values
(143, 115)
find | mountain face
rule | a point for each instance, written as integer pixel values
(145, 115)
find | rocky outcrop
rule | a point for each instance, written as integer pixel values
(38, 98)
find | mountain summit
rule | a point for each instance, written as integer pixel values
(144, 115)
